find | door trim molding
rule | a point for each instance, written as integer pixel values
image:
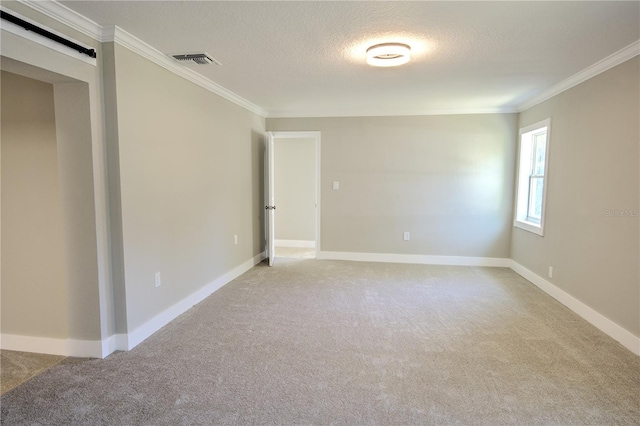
(315, 135)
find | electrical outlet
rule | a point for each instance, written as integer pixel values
(407, 236)
(235, 239)
(158, 279)
(550, 271)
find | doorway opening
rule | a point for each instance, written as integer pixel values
(295, 180)
(47, 213)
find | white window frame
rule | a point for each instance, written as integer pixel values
(526, 154)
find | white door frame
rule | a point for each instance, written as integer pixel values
(269, 196)
(315, 135)
(51, 68)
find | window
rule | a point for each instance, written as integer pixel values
(532, 177)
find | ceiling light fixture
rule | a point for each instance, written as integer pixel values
(388, 54)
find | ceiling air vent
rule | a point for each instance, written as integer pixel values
(196, 58)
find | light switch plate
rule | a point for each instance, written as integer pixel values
(336, 185)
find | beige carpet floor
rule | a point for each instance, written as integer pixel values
(318, 342)
(19, 367)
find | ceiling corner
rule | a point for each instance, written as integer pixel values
(591, 71)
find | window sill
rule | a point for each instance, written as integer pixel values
(532, 227)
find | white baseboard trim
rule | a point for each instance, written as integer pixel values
(109, 346)
(122, 341)
(125, 342)
(415, 258)
(295, 243)
(129, 341)
(604, 324)
(52, 346)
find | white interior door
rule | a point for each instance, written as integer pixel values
(270, 206)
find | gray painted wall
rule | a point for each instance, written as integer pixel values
(34, 294)
(591, 230)
(190, 178)
(295, 189)
(448, 180)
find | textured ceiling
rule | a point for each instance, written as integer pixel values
(307, 58)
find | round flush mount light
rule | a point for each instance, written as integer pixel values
(388, 54)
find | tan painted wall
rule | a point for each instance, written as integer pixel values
(34, 296)
(73, 131)
(592, 233)
(190, 179)
(295, 189)
(446, 179)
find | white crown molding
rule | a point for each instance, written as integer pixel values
(395, 113)
(123, 38)
(78, 22)
(66, 16)
(599, 67)
(63, 14)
